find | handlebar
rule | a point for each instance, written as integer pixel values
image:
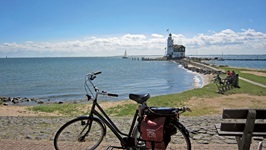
(113, 95)
(89, 78)
(98, 72)
(92, 76)
(94, 73)
(183, 109)
(108, 94)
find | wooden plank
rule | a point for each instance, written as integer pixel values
(261, 113)
(231, 133)
(239, 127)
(245, 141)
(258, 134)
(242, 113)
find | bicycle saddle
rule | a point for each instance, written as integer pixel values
(139, 98)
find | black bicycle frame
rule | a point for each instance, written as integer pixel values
(107, 121)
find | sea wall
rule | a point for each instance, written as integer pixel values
(198, 66)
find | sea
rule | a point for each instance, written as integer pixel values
(62, 79)
(56, 79)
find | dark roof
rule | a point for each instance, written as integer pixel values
(177, 46)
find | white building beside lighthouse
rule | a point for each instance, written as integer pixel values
(174, 51)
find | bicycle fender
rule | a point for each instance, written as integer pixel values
(182, 127)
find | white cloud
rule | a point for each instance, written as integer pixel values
(134, 36)
(247, 41)
(157, 36)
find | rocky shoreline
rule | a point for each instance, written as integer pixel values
(6, 101)
(15, 100)
(202, 128)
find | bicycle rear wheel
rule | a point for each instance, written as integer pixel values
(179, 138)
(73, 134)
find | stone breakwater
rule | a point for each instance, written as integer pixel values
(44, 128)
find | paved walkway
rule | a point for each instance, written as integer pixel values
(8, 144)
(48, 145)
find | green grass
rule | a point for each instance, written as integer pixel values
(67, 109)
(200, 112)
(122, 110)
(248, 88)
(179, 98)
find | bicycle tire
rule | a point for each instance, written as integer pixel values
(179, 140)
(69, 135)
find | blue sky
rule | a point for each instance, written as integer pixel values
(47, 28)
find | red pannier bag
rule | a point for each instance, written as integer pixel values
(152, 131)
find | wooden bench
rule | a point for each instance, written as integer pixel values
(253, 125)
(226, 84)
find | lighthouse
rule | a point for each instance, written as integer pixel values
(170, 43)
(174, 51)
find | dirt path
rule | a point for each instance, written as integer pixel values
(216, 105)
(21, 111)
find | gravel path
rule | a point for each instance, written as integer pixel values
(39, 131)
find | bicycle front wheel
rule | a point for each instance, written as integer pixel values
(75, 134)
(179, 138)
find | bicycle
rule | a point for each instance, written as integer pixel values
(87, 132)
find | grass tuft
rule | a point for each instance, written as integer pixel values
(67, 109)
